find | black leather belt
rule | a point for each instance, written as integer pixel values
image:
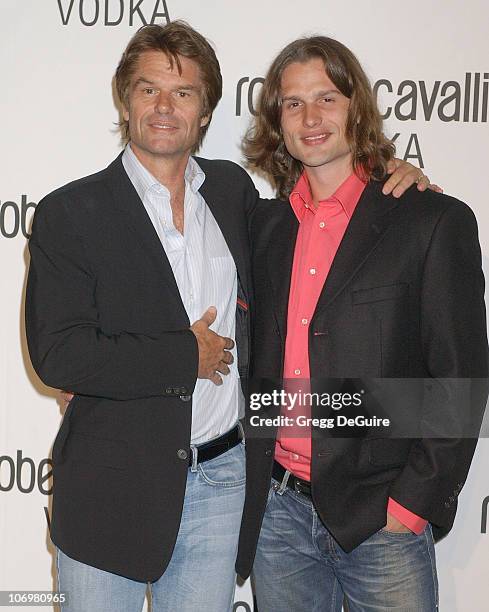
(294, 483)
(218, 446)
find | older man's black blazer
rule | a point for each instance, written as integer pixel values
(104, 319)
(404, 299)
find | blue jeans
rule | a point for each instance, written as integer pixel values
(299, 566)
(200, 575)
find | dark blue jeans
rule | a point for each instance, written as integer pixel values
(300, 568)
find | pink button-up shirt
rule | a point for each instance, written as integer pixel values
(320, 232)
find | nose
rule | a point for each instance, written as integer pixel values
(164, 103)
(312, 116)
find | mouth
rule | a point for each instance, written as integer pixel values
(157, 125)
(316, 139)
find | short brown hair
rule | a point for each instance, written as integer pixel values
(264, 146)
(174, 39)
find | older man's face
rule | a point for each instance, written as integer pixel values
(165, 108)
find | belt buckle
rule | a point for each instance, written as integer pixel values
(302, 487)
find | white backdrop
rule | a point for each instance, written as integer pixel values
(430, 60)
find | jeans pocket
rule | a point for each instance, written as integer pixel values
(399, 534)
(274, 485)
(227, 470)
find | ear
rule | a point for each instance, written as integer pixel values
(205, 120)
(125, 113)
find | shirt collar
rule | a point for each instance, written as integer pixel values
(347, 194)
(143, 180)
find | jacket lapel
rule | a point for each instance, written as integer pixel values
(280, 258)
(365, 230)
(130, 206)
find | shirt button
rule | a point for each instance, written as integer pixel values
(297, 372)
(312, 271)
(304, 321)
(322, 225)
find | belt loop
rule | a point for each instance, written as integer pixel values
(195, 458)
(283, 484)
(241, 431)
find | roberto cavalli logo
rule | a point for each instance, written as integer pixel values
(22, 474)
(465, 101)
(113, 12)
(485, 504)
(15, 217)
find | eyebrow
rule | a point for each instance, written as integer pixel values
(189, 87)
(318, 95)
(144, 81)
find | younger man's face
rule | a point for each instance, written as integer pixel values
(313, 117)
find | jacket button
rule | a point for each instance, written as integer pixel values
(182, 454)
(268, 452)
(185, 398)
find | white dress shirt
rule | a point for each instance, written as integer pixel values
(205, 274)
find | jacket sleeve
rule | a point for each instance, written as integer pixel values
(454, 345)
(67, 346)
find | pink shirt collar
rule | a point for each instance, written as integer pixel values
(347, 194)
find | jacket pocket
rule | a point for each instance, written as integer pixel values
(101, 452)
(386, 452)
(379, 294)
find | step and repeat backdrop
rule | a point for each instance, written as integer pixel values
(429, 64)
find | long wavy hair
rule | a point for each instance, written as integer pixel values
(263, 145)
